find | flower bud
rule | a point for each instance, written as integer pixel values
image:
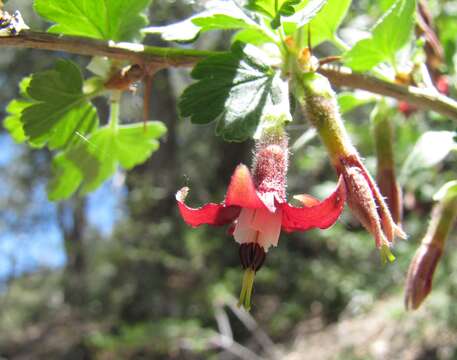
(389, 186)
(420, 275)
(367, 203)
(425, 261)
(363, 196)
(385, 177)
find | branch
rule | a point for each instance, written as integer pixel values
(159, 58)
(423, 98)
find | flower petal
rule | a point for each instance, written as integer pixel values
(322, 215)
(241, 191)
(211, 214)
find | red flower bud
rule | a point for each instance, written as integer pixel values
(420, 275)
(423, 266)
(367, 203)
(391, 189)
(383, 132)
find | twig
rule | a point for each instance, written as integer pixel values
(158, 57)
(425, 99)
(163, 57)
(249, 322)
(223, 322)
(235, 348)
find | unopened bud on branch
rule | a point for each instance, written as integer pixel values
(425, 261)
(363, 196)
(386, 175)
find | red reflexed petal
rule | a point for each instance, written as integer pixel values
(241, 191)
(322, 215)
(211, 214)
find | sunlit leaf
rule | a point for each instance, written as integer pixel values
(55, 109)
(93, 160)
(307, 12)
(251, 36)
(221, 15)
(13, 123)
(388, 36)
(237, 90)
(327, 21)
(118, 20)
(431, 148)
(348, 101)
(448, 191)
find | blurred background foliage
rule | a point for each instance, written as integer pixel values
(119, 276)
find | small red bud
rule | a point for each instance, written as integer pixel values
(423, 266)
(391, 189)
(442, 84)
(367, 203)
(420, 275)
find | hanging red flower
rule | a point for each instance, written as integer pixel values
(257, 208)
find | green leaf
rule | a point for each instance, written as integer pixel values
(251, 36)
(66, 178)
(264, 7)
(238, 90)
(13, 123)
(220, 22)
(431, 148)
(389, 35)
(117, 20)
(183, 31)
(306, 13)
(220, 16)
(327, 21)
(93, 160)
(296, 11)
(350, 100)
(447, 192)
(287, 9)
(55, 108)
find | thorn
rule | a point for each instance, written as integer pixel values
(329, 59)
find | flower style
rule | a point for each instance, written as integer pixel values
(256, 206)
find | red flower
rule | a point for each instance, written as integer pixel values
(260, 216)
(256, 206)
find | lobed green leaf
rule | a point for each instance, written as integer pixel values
(327, 21)
(93, 160)
(306, 12)
(236, 89)
(447, 192)
(348, 101)
(431, 148)
(389, 35)
(58, 108)
(117, 20)
(221, 15)
(53, 109)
